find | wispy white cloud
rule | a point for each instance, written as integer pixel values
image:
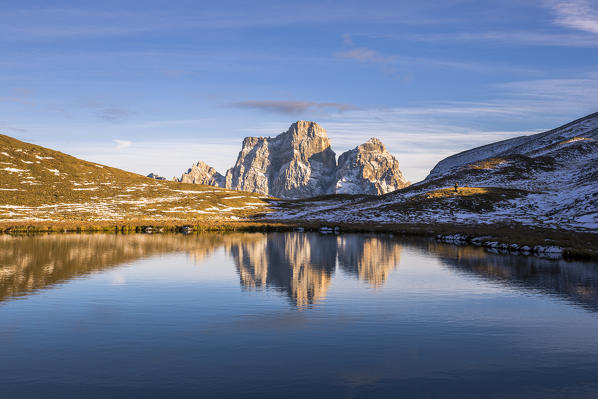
(53, 23)
(513, 38)
(422, 136)
(576, 14)
(291, 107)
(364, 54)
(113, 114)
(390, 63)
(122, 144)
(566, 93)
(7, 127)
(19, 95)
(106, 111)
(166, 157)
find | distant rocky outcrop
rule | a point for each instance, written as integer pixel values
(155, 176)
(300, 163)
(368, 169)
(202, 173)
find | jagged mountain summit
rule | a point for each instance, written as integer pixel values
(300, 163)
(202, 173)
(368, 169)
(294, 164)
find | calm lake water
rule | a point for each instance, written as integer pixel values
(290, 315)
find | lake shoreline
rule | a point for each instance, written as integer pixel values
(573, 245)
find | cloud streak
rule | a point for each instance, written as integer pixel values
(386, 63)
(122, 144)
(165, 157)
(512, 38)
(113, 114)
(422, 136)
(289, 107)
(364, 54)
(53, 23)
(566, 93)
(4, 126)
(106, 112)
(576, 14)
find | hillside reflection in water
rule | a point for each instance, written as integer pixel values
(301, 266)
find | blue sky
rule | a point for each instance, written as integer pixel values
(154, 86)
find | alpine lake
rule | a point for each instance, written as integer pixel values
(284, 315)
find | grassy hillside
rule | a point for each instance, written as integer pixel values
(39, 184)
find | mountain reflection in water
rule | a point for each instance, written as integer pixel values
(302, 265)
(573, 281)
(299, 265)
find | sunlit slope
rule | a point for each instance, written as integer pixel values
(573, 141)
(38, 183)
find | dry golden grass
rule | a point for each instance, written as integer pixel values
(460, 192)
(476, 199)
(489, 163)
(139, 225)
(39, 184)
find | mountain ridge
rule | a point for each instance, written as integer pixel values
(486, 151)
(300, 163)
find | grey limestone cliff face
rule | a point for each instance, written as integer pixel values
(202, 173)
(368, 169)
(294, 164)
(299, 163)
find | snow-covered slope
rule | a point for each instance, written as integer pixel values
(519, 145)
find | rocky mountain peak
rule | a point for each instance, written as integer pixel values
(289, 165)
(372, 145)
(368, 169)
(202, 173)
(249, 142)
(300, 163)
(307, 129)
